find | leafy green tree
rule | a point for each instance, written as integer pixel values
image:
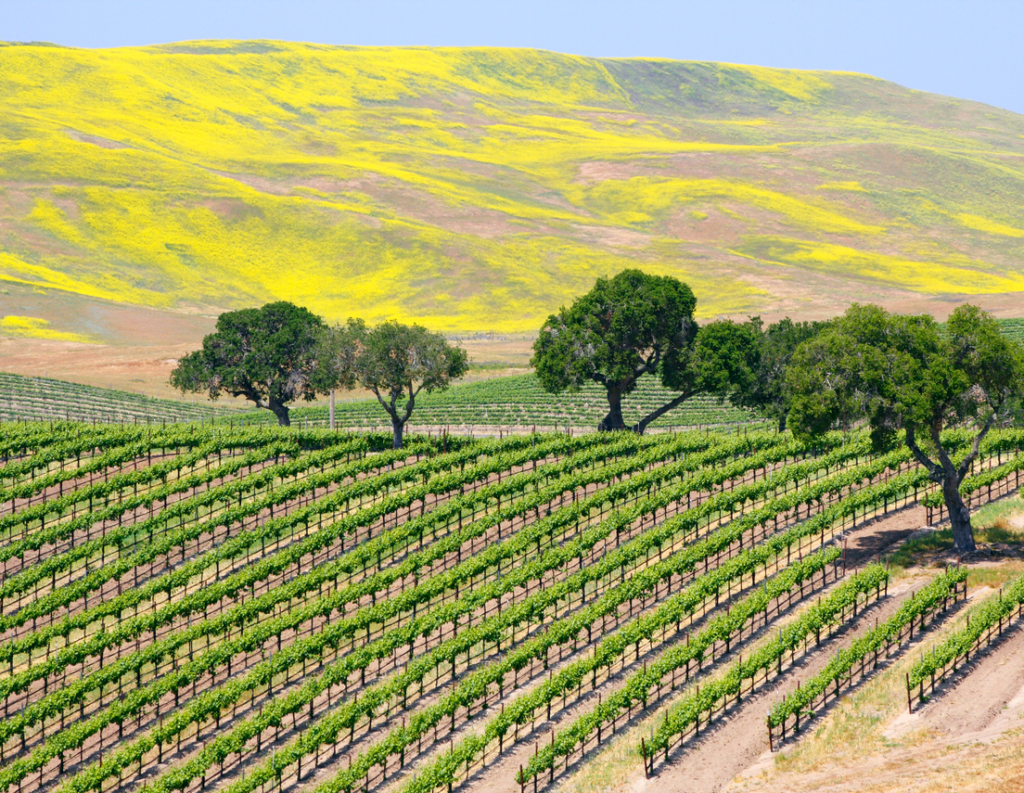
(633, 325)
(394, 361)
(767, 392)
(337, 351)
(904, 373)
(267, 355)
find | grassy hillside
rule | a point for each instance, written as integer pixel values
(482, 188)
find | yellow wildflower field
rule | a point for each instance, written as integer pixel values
(479, 189)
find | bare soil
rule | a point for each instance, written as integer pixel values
(741, 738)
(980, 703)
(872, 541)
(968, 739)
(735, 752)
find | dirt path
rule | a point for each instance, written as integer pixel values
(500, 775)
(343, 754)
(602, 547)
(953, 742)
(960, 741)
(740, 739)
(870, 541)
(241, 667)
(981, 702)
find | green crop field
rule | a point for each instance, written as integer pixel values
(511, 403)
(1013, 328)
(194, 600)
(476, 189)
(43, 398)
(519, 403)
(256, 609)
(514, 403)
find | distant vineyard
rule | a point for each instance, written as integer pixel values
(43, 399)
(504, 402)
(512, 403)
(192, 608)
(519, 401)
(1014, 328)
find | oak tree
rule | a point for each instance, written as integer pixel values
(907, 373)
(267, 355)
(767, 392)
(636, 324)
(393, 361)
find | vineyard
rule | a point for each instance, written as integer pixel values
(193, 608)
(45, 399)
(515, 403)
(519, 401)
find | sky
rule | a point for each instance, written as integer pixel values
(970, 50)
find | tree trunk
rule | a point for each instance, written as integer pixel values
(949, 477)
(281, 411)
(959, 515)
(397, 427)
(613, 421)
(782, 422)
(654, 415)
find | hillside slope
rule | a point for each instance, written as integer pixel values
(482, 188)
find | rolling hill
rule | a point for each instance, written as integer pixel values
(479, 189)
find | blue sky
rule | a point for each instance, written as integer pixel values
(971, 50)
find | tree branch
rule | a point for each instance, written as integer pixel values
(252, 396)
(410, 403)
(389, 409)
(650, 365)
(934, 469)
(965, 464)
(948, 469)
(656, 414)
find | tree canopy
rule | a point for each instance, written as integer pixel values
(267, 355)
(636, 324)
(906, 373)
(394, 361)
(767, 392)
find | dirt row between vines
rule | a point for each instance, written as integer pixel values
(735, 741)
(967, 738)
(190, 747)
(977, 707)
(863, 543)
(501, 775)
(181, 554)
(732, 743)
(93, 745)
(512, 758)
(390, 520)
